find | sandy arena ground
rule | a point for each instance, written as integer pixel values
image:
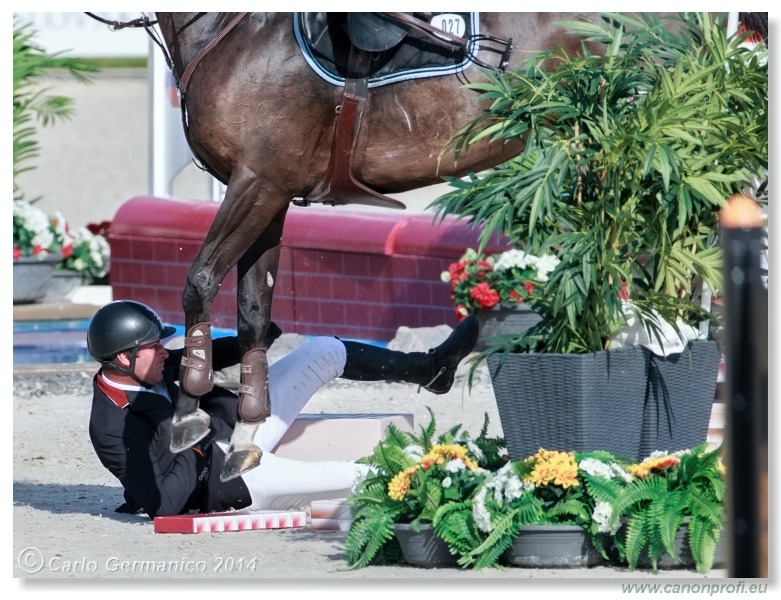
(64, 500)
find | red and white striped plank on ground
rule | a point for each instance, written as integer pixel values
(231, 521)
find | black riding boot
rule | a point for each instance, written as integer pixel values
(434, 370)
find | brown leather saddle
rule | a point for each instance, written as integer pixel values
(370, 36)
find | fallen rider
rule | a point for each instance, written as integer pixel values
(135, 392)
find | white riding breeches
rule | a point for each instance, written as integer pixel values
(282, 483)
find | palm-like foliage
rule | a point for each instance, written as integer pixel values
(33, 103)
(629, 155)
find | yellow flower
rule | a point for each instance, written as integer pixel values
(398, 486)
(441, 453)
(649, 465)
(555, 467)
(640, 471)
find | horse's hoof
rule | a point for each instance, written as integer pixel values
(238, 462)
(188, 430)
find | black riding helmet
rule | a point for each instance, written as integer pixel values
(120, 326)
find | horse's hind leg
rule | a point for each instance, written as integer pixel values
(257, 272)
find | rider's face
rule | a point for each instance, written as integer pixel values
(150, 362)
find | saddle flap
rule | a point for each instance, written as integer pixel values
(374, 32)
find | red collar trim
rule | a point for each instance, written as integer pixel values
(116, 395)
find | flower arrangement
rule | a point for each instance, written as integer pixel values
(548, 488)
(40, 235)
(36, 234)
(477, 500)
(90, 252)
(480, 282)
(413, 477)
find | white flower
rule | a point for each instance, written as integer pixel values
(513, 258)
(455, 465)
(596, 468)
(35, 221)
(658, 454)
(623, 475)
(544, 265)
(480, 512)
(415, 452)
(447, 482)
(603, 516)
(475, 450)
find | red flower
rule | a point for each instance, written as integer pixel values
(516, 297)
(483, 267)
(37, 249)
(457, 272)
(666, 462)
(529, 286)
(67, 250)
(486, 296)
(17, 253)
(99, 228)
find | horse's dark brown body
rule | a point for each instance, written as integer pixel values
(263, 121)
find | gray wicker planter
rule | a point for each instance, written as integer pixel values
(571, 402)
(681, 391)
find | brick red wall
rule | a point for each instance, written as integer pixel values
(354, 274)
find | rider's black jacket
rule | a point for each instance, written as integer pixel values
(130, 430)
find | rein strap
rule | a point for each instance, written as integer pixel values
(208, 48)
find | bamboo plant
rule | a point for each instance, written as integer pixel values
(629, 154)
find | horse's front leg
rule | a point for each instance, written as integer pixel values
(234, 230)
(190, 424)
(257, 273)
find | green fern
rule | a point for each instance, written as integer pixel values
(655, 509)
(454, 524)
(703, 538)
(495, 543)
(368, 537)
